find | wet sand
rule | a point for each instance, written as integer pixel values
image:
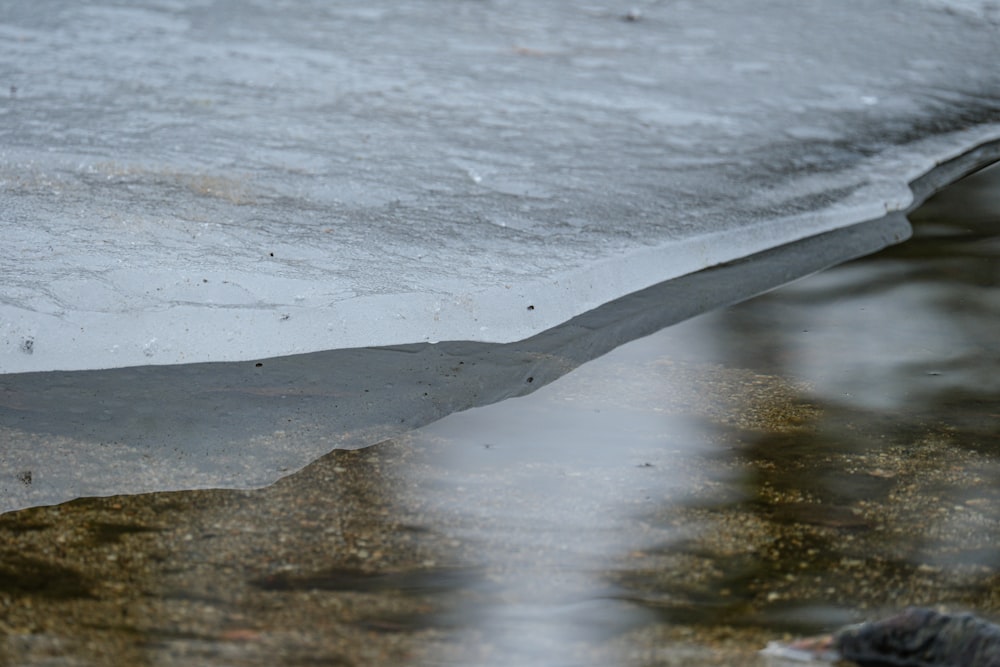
(820, 455)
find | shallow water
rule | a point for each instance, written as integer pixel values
(822, 454)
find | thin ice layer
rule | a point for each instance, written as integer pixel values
(234, 180)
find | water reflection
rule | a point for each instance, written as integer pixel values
(818, 454)
(886, 496)
(547, 488)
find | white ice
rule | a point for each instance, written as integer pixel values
(183, 183)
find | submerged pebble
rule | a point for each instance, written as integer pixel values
(914, 638)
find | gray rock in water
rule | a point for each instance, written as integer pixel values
(914, 638)
(922, 638)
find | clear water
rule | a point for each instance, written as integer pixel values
(825, 453)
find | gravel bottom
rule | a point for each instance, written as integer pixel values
(794, 520)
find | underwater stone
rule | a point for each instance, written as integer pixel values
(922, 638)
(916, 637)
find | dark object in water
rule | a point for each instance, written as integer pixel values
(914, 638)
(922, 638)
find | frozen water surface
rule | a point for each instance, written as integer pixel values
(226, 181)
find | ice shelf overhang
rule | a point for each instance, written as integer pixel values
(220, 181)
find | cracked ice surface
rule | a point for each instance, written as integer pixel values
(213, 181)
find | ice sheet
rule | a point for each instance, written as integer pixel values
(221, 181)
(67, 434)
